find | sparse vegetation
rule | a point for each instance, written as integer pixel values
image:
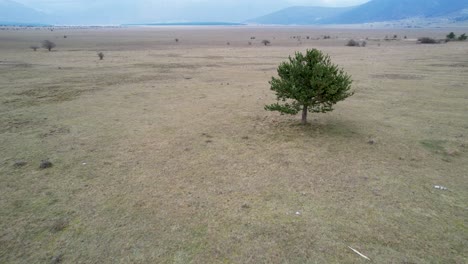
(176, 40)
(266, 42)
(310, 83)
(49, 45)
(100, 55)
(156, 144)
(452, 37)
(34, 47)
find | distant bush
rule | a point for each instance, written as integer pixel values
(34, 47)
(252, 37)
(451, 36)
(427, 40)
(363, 44)
(176, 40)
(47, 44)
(101, 55)
(250, 43)
(326, 37)
(228, 43)
(353, 43)
(266, 42)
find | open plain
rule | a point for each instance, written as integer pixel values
(162, 151)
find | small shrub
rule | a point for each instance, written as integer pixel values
(45, 164)
(101, 55)
(176, 40)
(427, 40)
(266, 42)
(462, 37)
(252, 37)
(34, 47)
(395, 36)
(353, 43)
(250, 43)
(363, 44)
(228, 43)
(47, 44)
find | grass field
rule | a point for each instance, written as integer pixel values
(163, 153)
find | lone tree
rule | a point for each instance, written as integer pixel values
(47, 44)
(462, 37)
(101, 55)
(266, 42)
(310, 83)
(451, 36)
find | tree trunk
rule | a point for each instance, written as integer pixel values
(304, 114)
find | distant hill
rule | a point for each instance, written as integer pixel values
(372, 11)
(387, 10)
(12, 12)
(300, 15)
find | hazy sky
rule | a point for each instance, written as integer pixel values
(171, 10)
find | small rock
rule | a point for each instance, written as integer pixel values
(45, 164)
(452, 152)
(439, 187)
(56, 259)
(245, 206)
(84, 163)
(20, 163)
(298, 213)
(371, 142)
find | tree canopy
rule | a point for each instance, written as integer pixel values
(310, 83)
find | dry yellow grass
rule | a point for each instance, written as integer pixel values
(162, 152)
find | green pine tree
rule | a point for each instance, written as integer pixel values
(310, 83)
(451, 36)
(462, 37)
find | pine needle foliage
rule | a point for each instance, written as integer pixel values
(311, 83)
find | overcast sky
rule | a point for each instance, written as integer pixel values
(172, 10)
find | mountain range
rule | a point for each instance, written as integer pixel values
(13, 12)
(121, 12)
(372, 11)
